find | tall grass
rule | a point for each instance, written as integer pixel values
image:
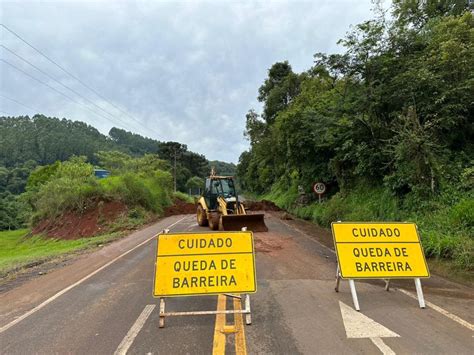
(152, 192)
(18, 249)
(74, 188)
(183, 197)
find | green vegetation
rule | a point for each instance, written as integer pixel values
(46, 142)
(222, 168)
(71, 186)
(183, 197)
(18, 249)
(386, 125)
(446, 230)
(194, 185)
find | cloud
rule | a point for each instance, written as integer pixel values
(186, 71)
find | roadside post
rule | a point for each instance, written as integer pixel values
(373, 250)
(194, 264)
(319, 188)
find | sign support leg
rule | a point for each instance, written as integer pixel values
(248, 316)
(387, 285)
(419, 293)
(338, 279)
(354, 294)
(162, 312)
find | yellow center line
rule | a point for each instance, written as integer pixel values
(221, 329)
(240, 345)
(218, 346)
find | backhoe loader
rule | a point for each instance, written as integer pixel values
(220, 208)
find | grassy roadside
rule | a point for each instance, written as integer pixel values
(18, 249)
(449, 270)
(446, 223)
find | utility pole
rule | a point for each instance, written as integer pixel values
(174, 170)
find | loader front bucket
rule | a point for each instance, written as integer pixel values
(253, 222)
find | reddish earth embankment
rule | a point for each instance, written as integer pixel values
(98, 219)
(180, 207)
(74, 225)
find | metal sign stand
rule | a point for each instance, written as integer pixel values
(355, 300)
(352, 287)
(246, 310)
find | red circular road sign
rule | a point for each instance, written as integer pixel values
(319, 188)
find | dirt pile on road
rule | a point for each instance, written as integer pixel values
(180, 207)
(263, 205)
(74, 225)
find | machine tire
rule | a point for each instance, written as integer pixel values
(214, 221)
(201, 216)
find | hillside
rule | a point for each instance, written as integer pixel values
(40, 143)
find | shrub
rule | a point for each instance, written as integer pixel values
(463, 213)
(151, 192)
(71, 185)
(183, 197)
(446, 223)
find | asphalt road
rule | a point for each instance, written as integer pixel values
(102, 304)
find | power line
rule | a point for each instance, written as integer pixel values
(19, 103)
(60, 83)
(54, 89)
(72, 75)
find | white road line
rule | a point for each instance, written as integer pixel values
(62, 292)
(134, 330)
(444, 312)
(192, 226)
(358, 325)
(382, 346)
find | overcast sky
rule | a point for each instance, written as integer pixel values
(182, 71)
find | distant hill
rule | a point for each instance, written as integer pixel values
(27, 142)
(44, 140)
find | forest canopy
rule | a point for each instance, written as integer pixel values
(33, 148)
(395, 108)
(387, 125)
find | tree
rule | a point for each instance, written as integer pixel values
(195, 183)
(114, 161)
(134, 143)
(281, 86)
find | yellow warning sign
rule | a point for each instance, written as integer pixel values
(379, 250)
(204, 263)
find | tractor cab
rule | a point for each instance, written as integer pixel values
(219, 186)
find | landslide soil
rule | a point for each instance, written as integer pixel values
(263, 205)
(180, 207)
(97, 219)
(73, 225)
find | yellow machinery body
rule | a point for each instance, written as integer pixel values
(219, 208)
